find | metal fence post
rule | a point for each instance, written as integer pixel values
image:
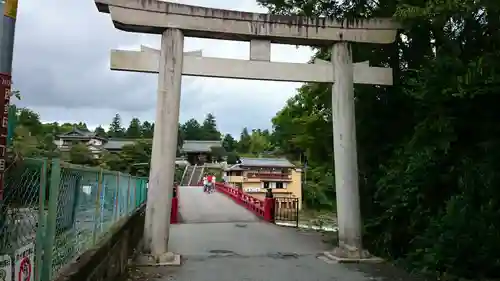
(50, 231)
(41, 220)
(135, 193)
(97, 216)
(117, 206)
(127, 207)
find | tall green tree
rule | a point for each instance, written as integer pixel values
(245, 141)
(192, 130)
(116, 129)
(209, 128)
(99, 131)
(134, 129)
(229, 143)
(30, 120)
(147, 130)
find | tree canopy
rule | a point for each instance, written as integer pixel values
(426, 146)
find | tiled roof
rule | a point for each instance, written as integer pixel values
(75, 132)
(199, 146)
(117, 144)
(266, 162)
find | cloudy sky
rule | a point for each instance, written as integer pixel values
(61, 67)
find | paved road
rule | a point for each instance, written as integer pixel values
(197, 206)
(239, 247)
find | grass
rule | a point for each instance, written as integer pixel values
(318, 218)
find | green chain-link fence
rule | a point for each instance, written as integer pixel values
(63, 209)
(23, 207)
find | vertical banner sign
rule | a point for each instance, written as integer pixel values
(5, 268)
(24, 267)
(4, 119)
(10, 8)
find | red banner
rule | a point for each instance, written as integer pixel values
(4, 119)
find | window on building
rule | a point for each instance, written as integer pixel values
(237, 173)
(280, 185)
(265, 184)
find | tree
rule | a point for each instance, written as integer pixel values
(232, 158)
(80, 154)
(24, 144)
(112, 161)
(138, 157)
(209, 128)
(115, 128)
(81, 126)
(66, 127)
(30, 120)
(147, 130)
(244, 142)
(229, 143)
(259, 142)
(134, 129)
(423, 162)
(47, 146)
(218, 152)
(100, 132)
(192, 130)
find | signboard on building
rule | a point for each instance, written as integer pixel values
(255, 189)
(24, 263)
(5, 268)
(10, 8)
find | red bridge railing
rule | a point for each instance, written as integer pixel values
(261, 208)
(174, 215)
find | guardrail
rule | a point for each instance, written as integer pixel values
(261, 208)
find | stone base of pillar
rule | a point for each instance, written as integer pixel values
(166, 259)
(348, 255)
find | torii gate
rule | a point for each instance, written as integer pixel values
(174, 21)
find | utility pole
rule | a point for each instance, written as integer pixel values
(7, 29)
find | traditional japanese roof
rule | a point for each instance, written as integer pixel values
(116, 144)
(199, 146)
(266, 162)
(235, 167)
(76, 133)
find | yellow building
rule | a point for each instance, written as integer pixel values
(255, 175)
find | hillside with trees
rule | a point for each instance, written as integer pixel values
(427, 147)
(32, 138)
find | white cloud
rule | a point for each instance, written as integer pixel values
(61, 66)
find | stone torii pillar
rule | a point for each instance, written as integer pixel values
(174, 21)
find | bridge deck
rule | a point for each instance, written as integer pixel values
(238, 246)
(196, 206)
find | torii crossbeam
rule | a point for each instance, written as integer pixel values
(194, 64)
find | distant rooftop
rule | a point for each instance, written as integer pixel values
(199, 146)
(266, 162)
(114, 144)
(79, 133)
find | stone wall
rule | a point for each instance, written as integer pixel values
(108, 260)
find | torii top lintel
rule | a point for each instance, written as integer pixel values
(154, 16)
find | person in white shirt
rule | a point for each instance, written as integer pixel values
(205, 183)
